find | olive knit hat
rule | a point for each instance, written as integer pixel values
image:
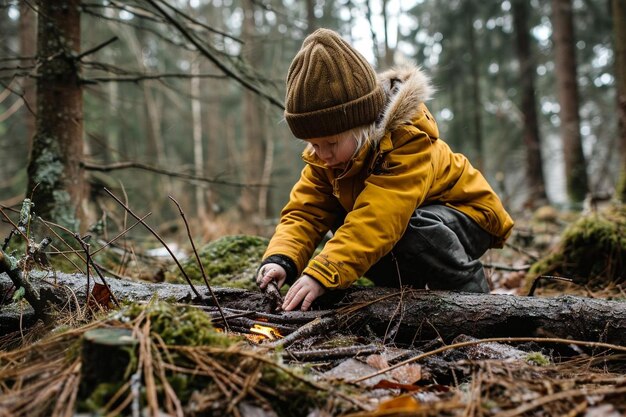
(331, 88)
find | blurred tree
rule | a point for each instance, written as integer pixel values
(530, 123)
(253, 152)
(55, 175)
(28, 50)
(565, 59)
(619, 33)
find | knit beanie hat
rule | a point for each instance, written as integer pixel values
(331, 88)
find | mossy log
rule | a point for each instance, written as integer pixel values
(424, 314)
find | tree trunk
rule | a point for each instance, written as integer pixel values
(619, 30)
(28, 50)
(423, 315)
(55, 177)
(565, 59)
(534, 167)
(254, 146)
(477, 105)
(198, 152)
(310, 16)
(389, 51)
(368, 14)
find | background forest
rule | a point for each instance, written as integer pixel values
(184, 98)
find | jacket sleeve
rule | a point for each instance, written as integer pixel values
(311, 211)
(381, 212)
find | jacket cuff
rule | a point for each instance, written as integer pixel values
(288, 265)
(326, 274)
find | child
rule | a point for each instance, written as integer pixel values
(404, 209)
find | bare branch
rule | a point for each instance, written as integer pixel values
(96, 48)
(156, 235)
(139, 78)
(197, 22)
(199, 261)
(19, 94)
(125, 165)
(205, 51)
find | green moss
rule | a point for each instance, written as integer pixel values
(364, 282)
(296, 398)
(592, 249)
(230, 261)
(99, 397)
(180, 325)
(537, 358)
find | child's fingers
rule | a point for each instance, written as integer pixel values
(268, 274)
(291, 296)
(308, 300)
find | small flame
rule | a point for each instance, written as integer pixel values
(266, 331)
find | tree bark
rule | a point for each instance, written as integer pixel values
(619, 31)
(414, 314)
(198, 148)
(55, 177)
(534, 167)
(28, 49)
(254, 132)
(310, 16)
(565, 60)
(477, 105)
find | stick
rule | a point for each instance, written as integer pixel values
(335, 353)
(199, 261)
(156, 235)
(494, 339)
(316, 326)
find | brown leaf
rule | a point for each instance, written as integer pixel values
(377, 361)
(387, 384)
(407, 374)
(101, 295)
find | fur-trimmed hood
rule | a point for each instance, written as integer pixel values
(406, 87)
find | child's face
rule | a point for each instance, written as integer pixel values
(335, 150)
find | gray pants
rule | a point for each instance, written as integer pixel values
(440, 248)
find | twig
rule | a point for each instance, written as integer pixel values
(585, 391)
(501, 267)
(85, 247)
(203, 25)
(156, 235)
(15, 229)
(490, 340)
(316, 326)
(334, 353)
(88, 261)
(276, 300)
(212, 58)
(122, 233)
(199, 261)
(130, 164)
(546, 277)
(96, 48)
(144, 77)
(31, 295)
(532, 257)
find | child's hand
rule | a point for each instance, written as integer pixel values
(305, 290)
(271, 272)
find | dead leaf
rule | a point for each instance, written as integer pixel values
(407, 374)
(102, 296)
(387, 384)
(377, 361)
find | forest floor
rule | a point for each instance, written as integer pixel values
(174, 358)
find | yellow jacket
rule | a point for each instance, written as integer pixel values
(405, 165)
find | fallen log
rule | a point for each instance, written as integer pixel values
(430, 314)
(411, 315)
